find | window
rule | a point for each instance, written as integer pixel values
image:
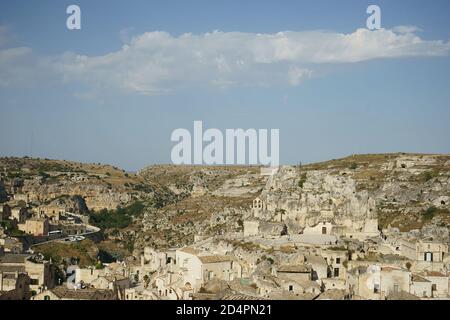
(376, 288)
(395, 288)
(291, 288)
(433, 287)
(428, 256)
(338, 260)
(336, 272)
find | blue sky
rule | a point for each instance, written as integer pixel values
(81, 95)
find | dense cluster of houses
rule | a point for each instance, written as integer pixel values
(262, 262)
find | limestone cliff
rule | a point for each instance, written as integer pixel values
(396, 189)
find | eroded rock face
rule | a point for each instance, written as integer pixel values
(435, 230)
(211, 201)
(75, 204)
(356, 191)
(96, 197)
(324, 196)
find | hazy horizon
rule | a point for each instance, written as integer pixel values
(114, 91)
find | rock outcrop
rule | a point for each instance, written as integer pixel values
(356, 191)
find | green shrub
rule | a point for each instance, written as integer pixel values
(428, 175)
(429, 213)
(302, 180)
(120, 218)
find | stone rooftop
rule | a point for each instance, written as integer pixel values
(63, 292)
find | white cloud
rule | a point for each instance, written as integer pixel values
(16, 66)
(157, 62)
(406, 29)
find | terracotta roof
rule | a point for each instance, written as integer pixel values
(434, 274)
(417, 278)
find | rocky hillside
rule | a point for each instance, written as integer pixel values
(167, 205)
(407, 191)
(100, 186)
(211, 200)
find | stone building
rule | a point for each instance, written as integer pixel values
(19, 213)
(35, 226)
(139, 294)
(431, 251)
(439, 283)
(11, 245)
(258, 207)
(377, 281)
(152, 260)
(365, 282)
(53, 212)
(336, 260)
(319, 266)
(197, 267)
(264, 228)
(14, 287)
(394, 280)
(421, 287)
(321, 228)
(41, 273)
(64, 293)
(297, 272)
